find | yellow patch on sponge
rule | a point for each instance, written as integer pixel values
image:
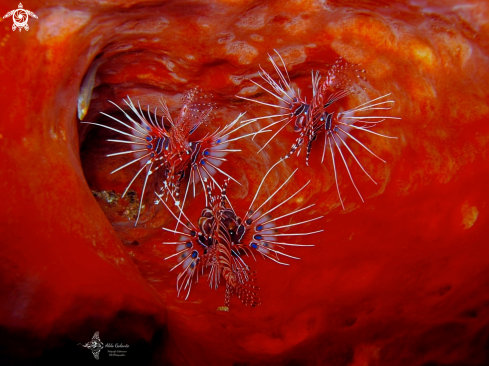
(469, 215)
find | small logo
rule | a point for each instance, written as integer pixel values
(95, 345)
(20, 17)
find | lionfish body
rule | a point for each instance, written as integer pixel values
(322, 114)
(173, 153)
(224, 240)
(207, 247)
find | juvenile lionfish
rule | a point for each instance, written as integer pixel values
(309, 119)
(170, 150)
(221, 241)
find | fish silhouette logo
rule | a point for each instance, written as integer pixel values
(20, 17)
(95, 345)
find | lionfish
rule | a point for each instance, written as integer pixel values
(309, 119)
(170, 150)
(221, 240)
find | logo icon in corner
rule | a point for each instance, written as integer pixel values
(95, 345)
(20, 17)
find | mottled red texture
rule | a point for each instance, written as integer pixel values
(401, 279)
